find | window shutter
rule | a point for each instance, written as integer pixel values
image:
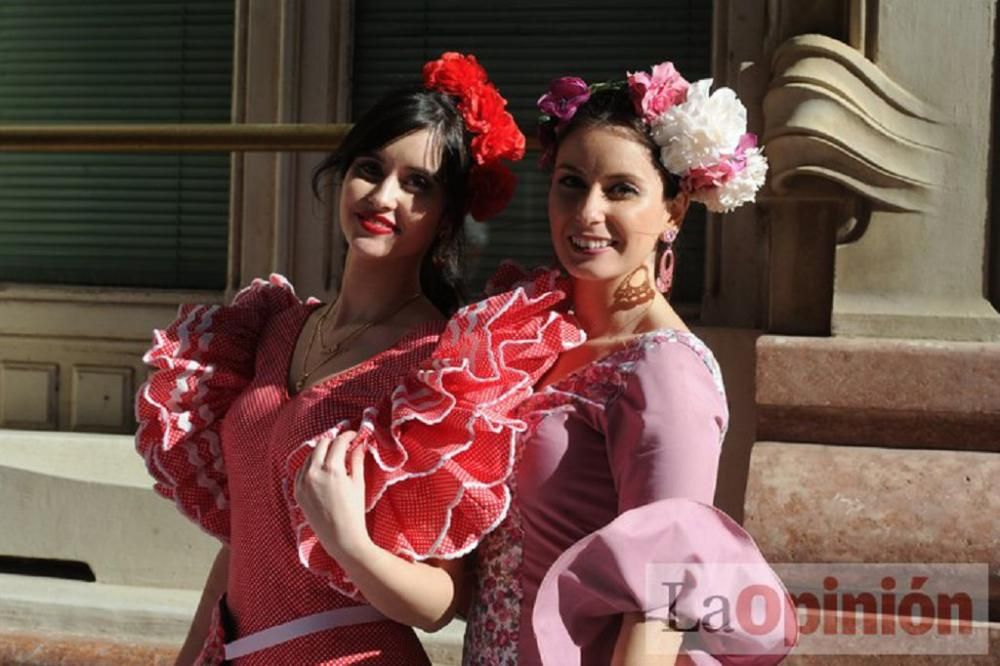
(130, 220)
(524, 44)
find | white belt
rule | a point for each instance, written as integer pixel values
(309, 624)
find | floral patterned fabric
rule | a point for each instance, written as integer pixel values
(492, 625)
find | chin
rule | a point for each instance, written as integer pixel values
(590, 270)
(387, 249)
(601, 269)
(372, 247)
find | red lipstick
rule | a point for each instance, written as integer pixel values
(377, 225)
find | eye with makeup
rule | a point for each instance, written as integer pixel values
(615, 191)
(623, 190)
(367, 168)
(419, 183)
(571, 182)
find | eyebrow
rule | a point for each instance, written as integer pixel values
(420, 171)
(613, 176)
(568, 167)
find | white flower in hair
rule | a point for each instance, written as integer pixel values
(702, 130)
(702, 136)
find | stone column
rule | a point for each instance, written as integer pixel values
(921, 273)
(291, 66)
(878, 417)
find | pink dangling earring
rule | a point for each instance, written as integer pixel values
(665, 274)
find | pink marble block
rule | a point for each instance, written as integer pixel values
(48, 649)
(825, 503)
(869, 391)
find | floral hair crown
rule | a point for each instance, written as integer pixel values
(702, 137)
(496, 136)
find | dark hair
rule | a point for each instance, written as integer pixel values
(613, 106)
(395, 115)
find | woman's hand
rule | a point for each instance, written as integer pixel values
(330, 488)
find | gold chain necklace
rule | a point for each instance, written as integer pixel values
(331, 352)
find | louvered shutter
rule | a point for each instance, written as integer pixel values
(524, 44)
(132, 220)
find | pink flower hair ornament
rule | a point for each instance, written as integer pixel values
(702, 136)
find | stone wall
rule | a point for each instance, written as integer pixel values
(878, 417)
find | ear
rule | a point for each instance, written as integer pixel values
(676, 209)
(679, 208)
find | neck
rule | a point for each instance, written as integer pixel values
(370, 289)
(603, 313)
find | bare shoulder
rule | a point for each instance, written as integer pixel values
(665, 317)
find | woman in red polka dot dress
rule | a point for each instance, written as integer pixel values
(238, 424)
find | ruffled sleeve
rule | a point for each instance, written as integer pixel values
(673, 559)
(441, 447)
(669, 554)
(201, 363)
(510, 275)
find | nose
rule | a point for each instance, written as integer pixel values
(592, 208)
(385, 194)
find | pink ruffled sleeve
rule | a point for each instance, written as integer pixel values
(441, 447)
(669, 554)
(664, 432)
(201, 363)
(674, 558)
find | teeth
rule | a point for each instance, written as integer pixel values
(589, 243)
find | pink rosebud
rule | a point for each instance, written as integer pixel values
(705, 178)
(747, 141)
(563, 97)
(739, 159)
(654, 94)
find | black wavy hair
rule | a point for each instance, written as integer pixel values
(397, 114)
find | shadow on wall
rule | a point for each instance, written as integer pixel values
(735, 349)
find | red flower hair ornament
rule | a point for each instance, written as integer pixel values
(496, 136)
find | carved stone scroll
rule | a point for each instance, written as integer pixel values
(832, 116)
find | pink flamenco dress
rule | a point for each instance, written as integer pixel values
(223, 438)
(611, 514)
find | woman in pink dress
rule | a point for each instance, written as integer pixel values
(612, 552)
(237, 389)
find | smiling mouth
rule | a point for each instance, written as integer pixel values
(377, 224)
(591, 245)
